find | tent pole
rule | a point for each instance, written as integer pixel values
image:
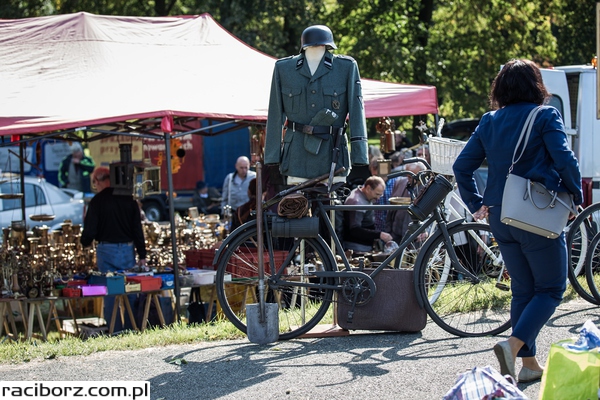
(172, 220)
(22, 174)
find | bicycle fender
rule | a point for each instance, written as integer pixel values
(423, 251)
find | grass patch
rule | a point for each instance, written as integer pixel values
(12, 352)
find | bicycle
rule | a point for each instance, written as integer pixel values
(459, 280)
(580, 236)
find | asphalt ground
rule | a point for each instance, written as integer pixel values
(363, 365)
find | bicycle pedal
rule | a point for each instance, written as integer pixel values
(502, 286)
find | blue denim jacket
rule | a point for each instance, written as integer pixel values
(547, 158)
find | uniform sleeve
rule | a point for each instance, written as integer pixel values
(275, 120)
(359, 149)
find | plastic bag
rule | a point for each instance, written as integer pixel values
(484, 383)
(570, 374)
(589, 338)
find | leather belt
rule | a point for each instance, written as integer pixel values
(313, 130)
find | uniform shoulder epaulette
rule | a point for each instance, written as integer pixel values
(284, 58)
(344, 57)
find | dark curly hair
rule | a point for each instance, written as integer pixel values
(518, 81)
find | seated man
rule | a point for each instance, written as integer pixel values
(404, 186)
(359, 225)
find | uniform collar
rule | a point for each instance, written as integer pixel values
(325, 66)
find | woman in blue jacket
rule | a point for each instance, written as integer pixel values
(537, 265)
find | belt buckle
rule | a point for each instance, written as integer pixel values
(308, 129)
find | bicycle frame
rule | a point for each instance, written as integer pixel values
(348, 272)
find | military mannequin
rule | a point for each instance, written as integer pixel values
(312, 95)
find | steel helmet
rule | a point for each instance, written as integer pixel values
(317, 35)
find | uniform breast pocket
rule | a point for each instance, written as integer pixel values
(335, 99)
(291, 99)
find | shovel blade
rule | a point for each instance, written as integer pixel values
(262, 332)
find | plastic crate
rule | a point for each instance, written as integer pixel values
(168, 280)
(71, 292)
(94, 290)
(443, 153)
(200, 258)
(114, 284)
(77, 282)
(245, 264)
(149, 283)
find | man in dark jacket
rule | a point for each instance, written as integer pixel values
(114, 222)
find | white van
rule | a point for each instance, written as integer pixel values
(573, 90)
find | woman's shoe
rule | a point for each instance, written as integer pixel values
(505, 358)
(529, 375)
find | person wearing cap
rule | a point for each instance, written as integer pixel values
(312, 95)
(75, 169)
(203, 201)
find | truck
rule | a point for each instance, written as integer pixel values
(573, 90)
(207, 158)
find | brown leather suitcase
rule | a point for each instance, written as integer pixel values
(393, 308)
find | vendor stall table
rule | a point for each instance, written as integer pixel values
(7, 317)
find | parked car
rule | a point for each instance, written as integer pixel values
(43, 201)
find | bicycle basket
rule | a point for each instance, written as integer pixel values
(443, 153)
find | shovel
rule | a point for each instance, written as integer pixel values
(262, 319)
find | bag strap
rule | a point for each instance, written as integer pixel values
(524, 137)
(571, 207)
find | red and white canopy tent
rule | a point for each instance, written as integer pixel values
(123, 74)
(147, 77)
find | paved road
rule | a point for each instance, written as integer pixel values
(359, 366)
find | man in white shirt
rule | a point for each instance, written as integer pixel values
(235, 185)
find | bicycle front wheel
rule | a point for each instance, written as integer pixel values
(592, 267)
(302, 302)
(456, 304)
(579, 237)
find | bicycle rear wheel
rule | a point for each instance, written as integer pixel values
(579, 237)
(300, 309)
(458, 306)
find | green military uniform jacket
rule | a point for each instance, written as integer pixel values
(297, 96)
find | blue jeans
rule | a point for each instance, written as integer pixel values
(538, 278)
(111, 257)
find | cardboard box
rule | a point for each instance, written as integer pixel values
(133, 287)
(114, 284)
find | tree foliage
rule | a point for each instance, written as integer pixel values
(456, 45)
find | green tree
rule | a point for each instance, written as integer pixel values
(575, 32)
(470, 40)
